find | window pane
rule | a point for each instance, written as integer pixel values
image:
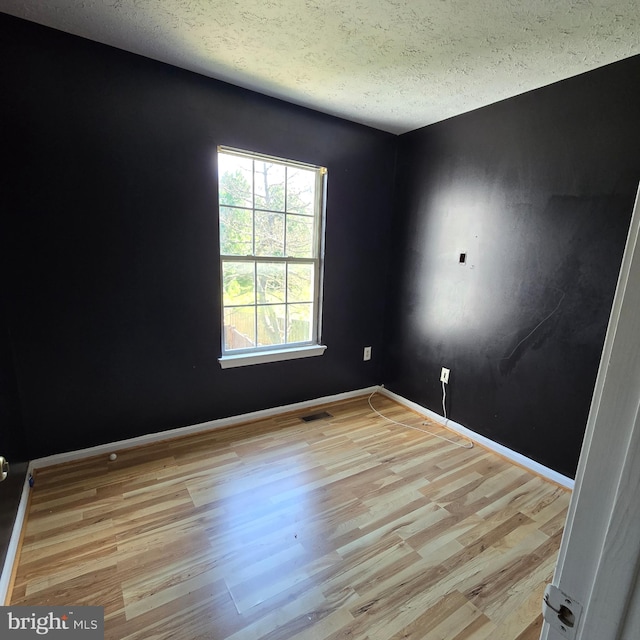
(270, 285)
(236, 231)
(300, 283)
(301, 189)
(269, 213)
(269, 234)
(235, 177)
(299, 237)
(269, 185)
(239, 327)
(300, 322)
(238, 283)
(271, 324)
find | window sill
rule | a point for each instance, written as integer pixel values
(246, 359)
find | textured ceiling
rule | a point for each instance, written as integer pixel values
(393, 64)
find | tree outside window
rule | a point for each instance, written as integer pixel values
(270, 246)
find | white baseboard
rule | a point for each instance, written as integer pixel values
(14, 541)
(517, 458)
(114, 447)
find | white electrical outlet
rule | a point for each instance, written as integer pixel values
(444, 375)
(367, 354)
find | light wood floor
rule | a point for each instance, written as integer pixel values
(347, 527)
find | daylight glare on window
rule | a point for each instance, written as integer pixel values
(270, 226)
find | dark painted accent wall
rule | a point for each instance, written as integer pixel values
(110, 266)
(108, 197)
(538, 190)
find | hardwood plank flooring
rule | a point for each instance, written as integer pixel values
(345, 527)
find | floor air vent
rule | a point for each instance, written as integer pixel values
(316, 416)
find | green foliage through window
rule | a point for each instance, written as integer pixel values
(270, 225)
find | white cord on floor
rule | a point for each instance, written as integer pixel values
(469, 444)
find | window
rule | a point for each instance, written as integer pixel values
(271, 236)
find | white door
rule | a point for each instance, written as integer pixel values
(599, 557)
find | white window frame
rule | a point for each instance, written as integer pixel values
(293, 350)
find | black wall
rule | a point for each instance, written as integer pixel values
(108, 203)
(108, 195)
(538, 190)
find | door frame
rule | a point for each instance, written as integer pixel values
(599, 556)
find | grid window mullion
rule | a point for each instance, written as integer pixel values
(253, 204)
(286, 208)
(255, 301)
(286, 302)
(286, 183)
(299, 325)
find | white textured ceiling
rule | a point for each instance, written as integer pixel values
(393, 64)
